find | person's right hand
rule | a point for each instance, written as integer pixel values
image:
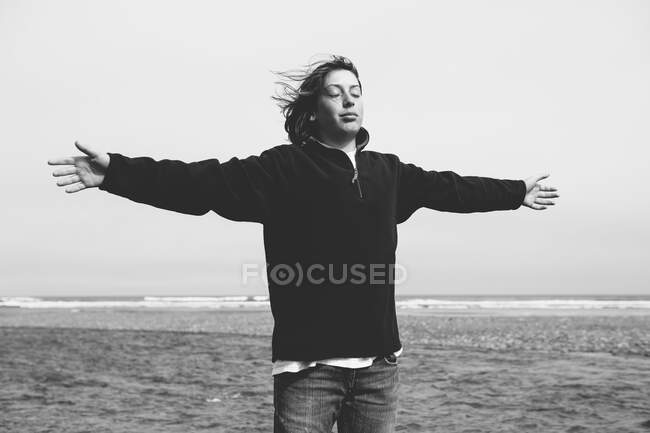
(83, 172)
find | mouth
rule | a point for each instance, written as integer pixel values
(349, 115)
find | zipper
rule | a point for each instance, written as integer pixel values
(356, 178)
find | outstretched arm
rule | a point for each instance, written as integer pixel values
(238, 189)
(450, 192)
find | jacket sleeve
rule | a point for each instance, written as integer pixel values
(450, 192)
(238, 189)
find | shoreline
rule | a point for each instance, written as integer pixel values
(524, 312)
(426, 312)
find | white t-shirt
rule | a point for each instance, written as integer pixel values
(281, 366)
(350, 155)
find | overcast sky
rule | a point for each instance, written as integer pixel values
(502, 89)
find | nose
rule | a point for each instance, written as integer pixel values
(348, 101)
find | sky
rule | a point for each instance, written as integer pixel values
(504, 89)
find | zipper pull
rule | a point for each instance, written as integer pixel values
(356, 179)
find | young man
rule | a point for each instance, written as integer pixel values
(330, 209)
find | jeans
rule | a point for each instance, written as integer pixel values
(359, 400)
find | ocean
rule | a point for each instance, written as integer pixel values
(402, 302)
(184, 364)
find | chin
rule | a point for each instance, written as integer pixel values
(351, 129)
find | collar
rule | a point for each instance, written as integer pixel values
(362, 139)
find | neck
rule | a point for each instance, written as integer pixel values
(345, 144)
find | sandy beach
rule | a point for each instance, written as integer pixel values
(187, 370)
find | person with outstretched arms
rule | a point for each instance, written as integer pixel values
(329, 206)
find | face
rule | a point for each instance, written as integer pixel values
(339, 107)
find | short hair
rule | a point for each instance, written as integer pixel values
(299, 103)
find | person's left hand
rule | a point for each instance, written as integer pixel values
(539, 196)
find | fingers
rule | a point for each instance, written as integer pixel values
(68, 180)
(65, 171)
(546, 188)
(547, 195)
(541, 176)
(542, 201)
(61, 161)
(535, 206)
(70, 160)
(85, 149)
(76, 187)
(74, 182)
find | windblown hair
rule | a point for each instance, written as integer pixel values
(299, 103)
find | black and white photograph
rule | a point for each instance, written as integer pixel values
(317, 217)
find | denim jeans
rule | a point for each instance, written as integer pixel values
(360, 400)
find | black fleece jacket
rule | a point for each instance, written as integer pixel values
(330, 231)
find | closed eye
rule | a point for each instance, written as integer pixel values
(335, 90)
